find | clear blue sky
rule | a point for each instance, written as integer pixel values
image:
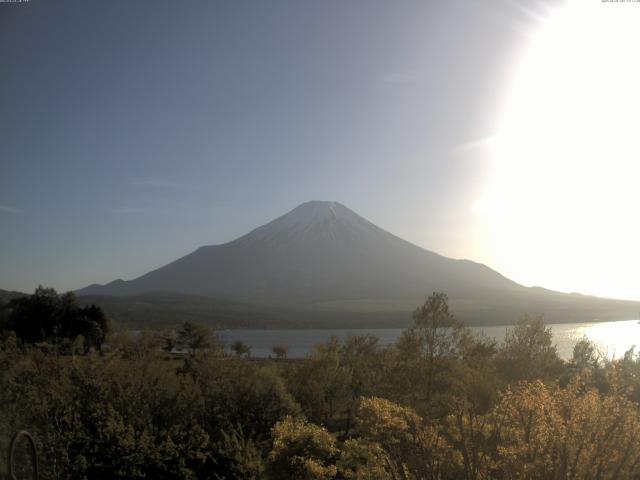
(133, 132)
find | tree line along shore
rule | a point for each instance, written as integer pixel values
(439, 403)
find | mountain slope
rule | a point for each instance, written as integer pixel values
(318, 251)
(323, 257)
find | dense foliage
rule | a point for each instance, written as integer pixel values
(55, 319)
(440, 403)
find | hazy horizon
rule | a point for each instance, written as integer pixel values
(133, 134)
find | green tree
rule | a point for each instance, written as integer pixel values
(419, 367)
(528, 352)
(571, 433)
(4, 315)
(93, 325)
(240, 348)
(301, 451)
(476, 377)
(241, 395)
(321, 384)
(37, 317)
(361, 459)
(47, 316)
(585, 355)
(437, 328)
(195, 337)
(415, 449)
(239, 455)
(361, 357)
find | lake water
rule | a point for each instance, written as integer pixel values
(612, 338)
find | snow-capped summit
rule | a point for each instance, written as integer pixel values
(314, 220)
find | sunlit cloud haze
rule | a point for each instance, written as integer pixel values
(154, 182)
(7, 209)
(560, 205)
(498, 131)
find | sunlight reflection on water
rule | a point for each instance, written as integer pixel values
(612, 339)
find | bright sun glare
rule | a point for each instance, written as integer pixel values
(561, 205)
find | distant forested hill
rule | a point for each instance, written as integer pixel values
(162, 309)
(6, 295)
(166, 309)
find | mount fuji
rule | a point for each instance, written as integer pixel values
(322, 256)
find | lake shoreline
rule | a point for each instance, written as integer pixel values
(611, 338)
